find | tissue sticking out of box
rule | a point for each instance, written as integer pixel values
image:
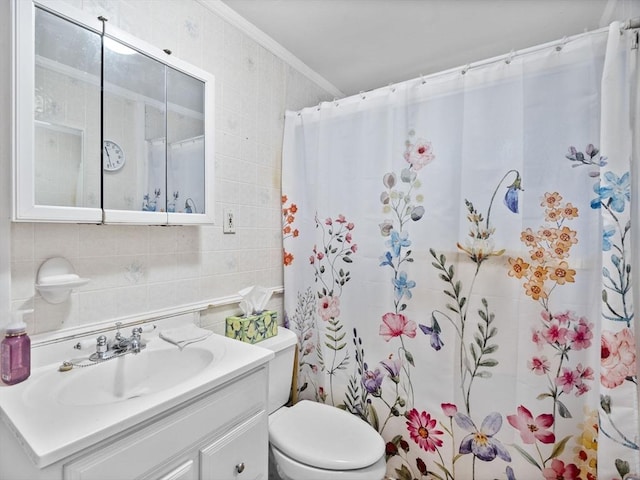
(254, 300)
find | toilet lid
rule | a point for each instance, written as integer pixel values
(325, 437)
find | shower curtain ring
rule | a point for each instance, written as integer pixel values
(563, 42)
(509, 58)
(465, 69)
(362, 95)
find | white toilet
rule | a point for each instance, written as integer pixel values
(313, 441)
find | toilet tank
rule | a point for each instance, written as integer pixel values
(281, 366)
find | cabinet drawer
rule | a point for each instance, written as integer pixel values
(241, 454)
(162, 440)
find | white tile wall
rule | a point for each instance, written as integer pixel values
(137, 269)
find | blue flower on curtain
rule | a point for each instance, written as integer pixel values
(398, 241)
(511, 197)
(607, 234)
(403, 286)
(614, 194)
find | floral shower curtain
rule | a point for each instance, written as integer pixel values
(458, 263)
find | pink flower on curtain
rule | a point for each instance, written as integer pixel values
(558, 471)
(581, 335)
(395, 325)
(532, 429)
(329, 307)
(419, 154)
(422, 430)
(617, 357)
(539, 365)
(449, 409)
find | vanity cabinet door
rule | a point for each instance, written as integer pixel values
(243, 453)
(187, 470)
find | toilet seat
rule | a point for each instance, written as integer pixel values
(325, 437)
(290, 469)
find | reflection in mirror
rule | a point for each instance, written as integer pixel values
(66, 113)
(134, 120)
(59, 179)
(185, 152)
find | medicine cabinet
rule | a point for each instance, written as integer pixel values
(107, 128)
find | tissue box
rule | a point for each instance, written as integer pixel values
(253, 328)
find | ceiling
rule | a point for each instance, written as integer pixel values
(358, 45)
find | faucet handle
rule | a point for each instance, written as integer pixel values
(118, 334)
(101, 344)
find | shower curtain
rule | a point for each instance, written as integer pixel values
(458, 263)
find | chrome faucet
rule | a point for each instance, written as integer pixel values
(120, 345)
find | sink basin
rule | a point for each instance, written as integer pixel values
(122, 378)
(132, 375)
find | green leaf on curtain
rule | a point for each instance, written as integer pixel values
(474, 354)
(542, 396)
(490, 349)
(409, 357)
(452, 308)
(526, 456)
(404, 473)
(375, 420)
(559, 447)
(622, 467)
(347, 260)
(435, 475)
(563, 410)
(489, 362)
(484, 374)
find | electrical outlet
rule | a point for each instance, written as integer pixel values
(229, 221)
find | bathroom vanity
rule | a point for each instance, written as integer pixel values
(163, 413)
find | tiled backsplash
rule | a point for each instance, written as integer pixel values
(137, 269)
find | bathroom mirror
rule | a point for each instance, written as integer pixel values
(134, 122)
(108, 128)
(57, 128)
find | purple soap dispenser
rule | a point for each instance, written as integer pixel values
(15, 351)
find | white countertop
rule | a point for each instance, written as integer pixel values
(50, 431)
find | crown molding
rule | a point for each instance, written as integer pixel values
(235, 19)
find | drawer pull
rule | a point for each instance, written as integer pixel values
(240, 467)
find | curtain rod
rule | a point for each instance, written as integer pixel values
(631, 24)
